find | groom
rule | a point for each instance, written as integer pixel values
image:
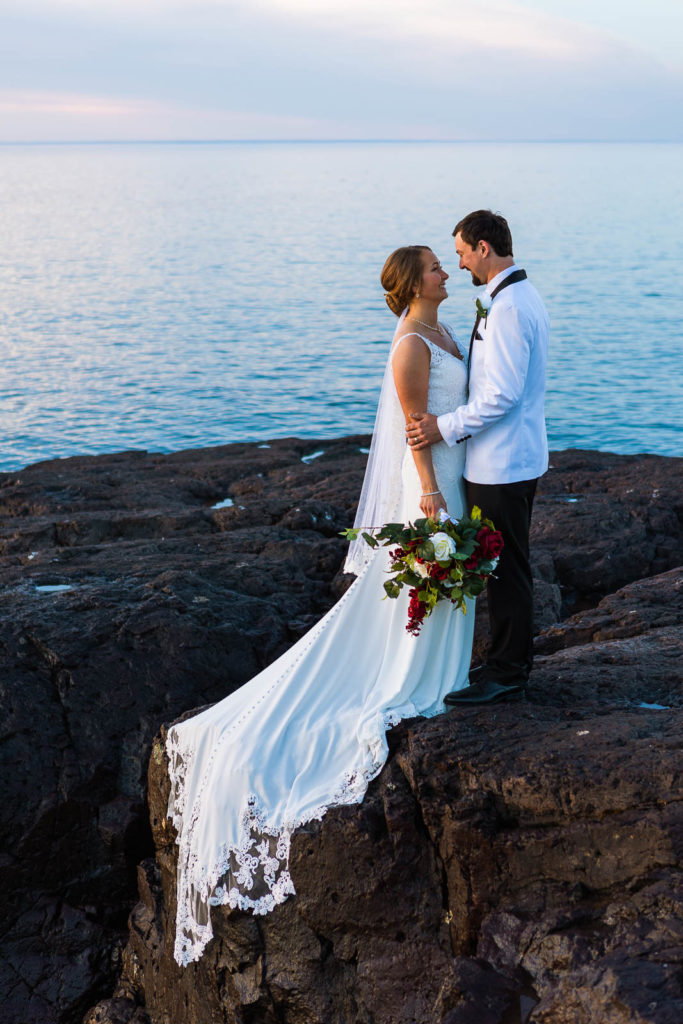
(507, 449)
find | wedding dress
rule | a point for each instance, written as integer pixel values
(308, 733)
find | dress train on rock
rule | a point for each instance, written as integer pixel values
(309, 732)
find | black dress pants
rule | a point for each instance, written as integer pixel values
(510, 596)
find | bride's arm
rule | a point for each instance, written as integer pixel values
(411, 375)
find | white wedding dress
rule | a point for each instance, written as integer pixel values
(308, 733)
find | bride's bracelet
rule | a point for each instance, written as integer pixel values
(428, 494)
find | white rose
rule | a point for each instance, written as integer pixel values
(421, 569)
(444, 547)
(484, 301)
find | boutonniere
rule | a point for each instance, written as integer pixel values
(483, 307)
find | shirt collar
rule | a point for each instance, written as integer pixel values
(495, 281)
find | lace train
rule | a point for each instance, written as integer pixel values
(258, 864)
(309, 732)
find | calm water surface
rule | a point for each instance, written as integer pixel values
(170, 296)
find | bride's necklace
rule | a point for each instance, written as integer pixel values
(438, 327)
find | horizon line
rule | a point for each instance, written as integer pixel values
(340, 141)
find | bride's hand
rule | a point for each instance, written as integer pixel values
(431, 505)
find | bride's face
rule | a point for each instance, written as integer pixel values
(434, 277)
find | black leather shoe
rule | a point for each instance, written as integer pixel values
(486, 692)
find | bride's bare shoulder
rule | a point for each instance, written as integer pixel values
(410, 357)
(409, 341)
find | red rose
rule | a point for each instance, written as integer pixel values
(496, 543)
(416, 613)
(490, 543)
(437, 573)
(472, 562)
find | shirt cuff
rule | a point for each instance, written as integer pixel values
(451, 429)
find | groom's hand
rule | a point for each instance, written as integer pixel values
(423, 431)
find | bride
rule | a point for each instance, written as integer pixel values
(309, 732)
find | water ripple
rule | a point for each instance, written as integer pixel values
(166, 297)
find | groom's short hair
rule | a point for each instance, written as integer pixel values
(485, 226)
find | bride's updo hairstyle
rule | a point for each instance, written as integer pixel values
(401, 276)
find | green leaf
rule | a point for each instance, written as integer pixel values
(426, 551)
(369, 539)
(350, 533)
(391, 533)
(391, 588)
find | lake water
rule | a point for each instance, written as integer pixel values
(172, 296)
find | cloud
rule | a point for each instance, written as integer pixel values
(86, 117)
(31, 102)
(490, 26)
(319, 69)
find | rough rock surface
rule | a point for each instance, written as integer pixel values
(501, 861)
(519, 854)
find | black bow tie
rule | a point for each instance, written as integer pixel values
(518, 275)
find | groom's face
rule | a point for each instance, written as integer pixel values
(472, 259)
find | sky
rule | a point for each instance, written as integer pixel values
(98, 70)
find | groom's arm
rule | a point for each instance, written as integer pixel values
(500, 382)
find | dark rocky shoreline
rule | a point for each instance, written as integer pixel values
(501, 856)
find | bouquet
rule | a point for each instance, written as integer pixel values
(444, 560)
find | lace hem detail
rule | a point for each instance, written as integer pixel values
(180, 761)
(199, 883)
(256, 869)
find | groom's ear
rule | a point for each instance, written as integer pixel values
(484, 248)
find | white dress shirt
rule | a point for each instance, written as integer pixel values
(504, 418)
